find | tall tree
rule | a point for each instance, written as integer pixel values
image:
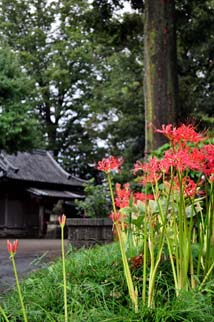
(19, 128)
(160, 71)
(116, 105)
(54, 49)
(195, 48)
(195, 20)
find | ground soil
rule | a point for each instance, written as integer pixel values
(32, 254)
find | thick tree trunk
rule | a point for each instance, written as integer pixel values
(160, 75)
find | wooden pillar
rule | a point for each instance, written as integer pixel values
(41, 219)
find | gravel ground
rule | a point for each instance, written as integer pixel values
(31, 255)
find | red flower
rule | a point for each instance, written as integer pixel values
(142, 196)
(197, 159)
(122, 199)
(151, 170)
(187, 133)
(168, 131)
(109, 164)
(188, 185)
(12, 247)
(62, 220)
(179, 160)
(211, 178)
(181, 135)
(185, 158)
(138, 166)
(208, 152)
(167, 162)
(115, 216)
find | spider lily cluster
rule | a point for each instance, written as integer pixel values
(172, 217)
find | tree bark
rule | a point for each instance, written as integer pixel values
(160, 74)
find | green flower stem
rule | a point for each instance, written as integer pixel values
(153, 274)
(132, 293)
(206, 276)
(201, 243)
(127, 272)
(207, 234)
(18, 287)
(169, 243)
(144, 263)
(64, 273)
(209, 229)
(193, 282)
(3, 314)
(155, 260)
(111, 193)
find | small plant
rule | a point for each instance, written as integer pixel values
(108, 165)
(97, 201)
(12, 248)
(62, 221)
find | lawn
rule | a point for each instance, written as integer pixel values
(97, 292)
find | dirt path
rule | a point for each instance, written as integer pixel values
(31, 255)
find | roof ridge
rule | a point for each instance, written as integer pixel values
(67, 174)
(7, 164)
(38, 151)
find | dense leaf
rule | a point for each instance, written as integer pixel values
(19, 129)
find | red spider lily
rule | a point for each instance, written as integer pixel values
(122, 199)
(168, 131)
(166, 163)
(116, 217)
(62, 220)
(187, 133)
(12, 247)
(197, 159)
(208, 152)
(180, 159)
(188, 185)
(151, 170)
(182, 134)
(110, 164)
(183, 159)
(211, 178)
(138, 166)
(140, 196)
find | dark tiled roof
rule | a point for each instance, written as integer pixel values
(54, 193)
(36, 166)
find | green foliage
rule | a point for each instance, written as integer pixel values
(19, 129)
(97, 292)
(55, 51)
(96, 202)
(117, 105)
(195, 23)
(86, 66)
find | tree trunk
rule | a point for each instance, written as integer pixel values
(160, 75)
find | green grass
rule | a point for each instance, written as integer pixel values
(97, 292)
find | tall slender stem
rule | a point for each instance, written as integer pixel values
(144, 262)
(64, 274)
(132, 293)
(18, 287)
(3, 314)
